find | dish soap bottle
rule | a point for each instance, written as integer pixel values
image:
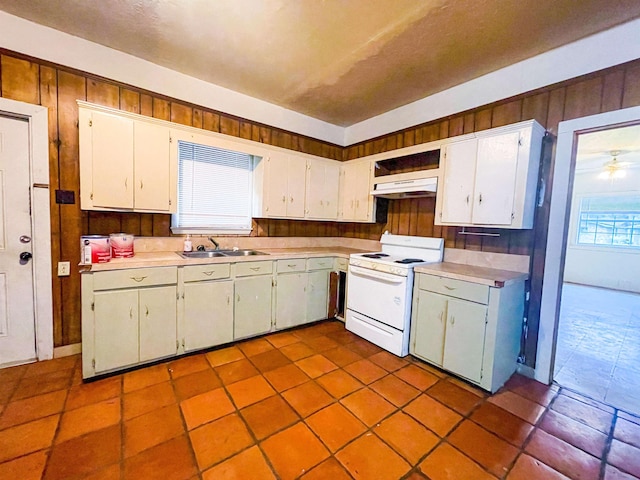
(188, 246)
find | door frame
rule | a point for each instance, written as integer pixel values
(560, 208)
(38, 120)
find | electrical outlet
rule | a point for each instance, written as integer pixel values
(64, 269)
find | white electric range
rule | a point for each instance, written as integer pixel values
(380, 287)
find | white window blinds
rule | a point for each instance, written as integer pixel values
(214, 189)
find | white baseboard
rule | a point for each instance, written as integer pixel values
(67, 350)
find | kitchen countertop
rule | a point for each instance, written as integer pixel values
(492, 277)
(165, 259)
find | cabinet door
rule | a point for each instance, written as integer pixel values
(430, 317)
(464, 339)
(252, 306)
(112, 161)
(297, 170)
(315, 189)
(496, 179)
(116, 329)
(157, 312)
(346, 200)
(152, 170)
(458, 182)
(208, 314)
(362, 190)
(291, 292)
(317, 295)
(331, 188)
(276, 186)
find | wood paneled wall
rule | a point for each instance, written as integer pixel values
(57, 87)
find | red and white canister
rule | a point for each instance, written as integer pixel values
(121, 245)
(95, 249)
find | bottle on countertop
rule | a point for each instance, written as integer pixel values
(188, 246)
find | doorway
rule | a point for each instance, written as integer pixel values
(567, 241)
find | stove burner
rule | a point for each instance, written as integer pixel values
(409, 260)
(374, 255)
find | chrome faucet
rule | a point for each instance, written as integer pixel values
(215, 243)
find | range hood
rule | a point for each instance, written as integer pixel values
(406, 188)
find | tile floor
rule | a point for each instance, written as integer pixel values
(314, 403)
(598, 349)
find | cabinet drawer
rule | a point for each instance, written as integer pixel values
(253, 268)
(138, 277)
(473, 292)
(341, 263)
(321, 263)
(290, 265)
(197, 273)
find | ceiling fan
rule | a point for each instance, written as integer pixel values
(614, 168)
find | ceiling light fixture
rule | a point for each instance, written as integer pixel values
(613, 169)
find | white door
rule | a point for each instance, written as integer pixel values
(152, 169)
(276, 186)
(291, 293)
(208, 314)
(362, 189)
(315, 189)
(157, 314)
(428, 341)
(459, 178)
(296, 172)
(252, 315)
(17, 321)
(318, 295)
(464, 339)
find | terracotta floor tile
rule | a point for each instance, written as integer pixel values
(148, 399)
(395, 390)
(269, 360)
(368, 406)
(234, 372)
(613, 473)
(171, 460)
(428, 368)
(206, 407)
(531, 389)
(363, 348)
(29, 467)
(341, 356)
(152, 429)
(269, 416)
(32, 408)
(49, 366)
(83, 455)
(186, 365)
(563, 457)
(307, 398)
(329, 469)
(294, 451)
(88, 418)
(282, 339)
(339, 383)
(321, 343)
(145, 377)
(297, 351)
(286, 377)
(521, 407)
(447, 463)
(365, 371)
(218, 440)
(453, 396)
(12, 374)
(6, 390)
(627, 432)
(40, 384)
(196, 383)
(316, 365)
(112, 472)
(224, 356)
(335, 426)
(529, 468)
(587, 414)
(417, 377)
(388, 361)
(469, 388)
(249, 391)
(504, 424)
(27, 438)
(254, 347)
(433, 415)
(484, 447)
(408, 437)
(94, 392)
(249, 464)
(307, 332)
(343, 337)
(575, 433)
(626, 457)
(369, 457)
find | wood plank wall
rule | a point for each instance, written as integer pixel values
(57, 87)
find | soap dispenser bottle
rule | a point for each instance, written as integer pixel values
(188, 246)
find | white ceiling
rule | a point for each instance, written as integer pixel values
(341, 61)
(597, 148)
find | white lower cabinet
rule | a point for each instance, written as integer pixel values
(291, 291)
(252, 306)
(157, 307)
(469, 329)
(207, 314)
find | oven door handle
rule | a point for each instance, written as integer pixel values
(384, 277)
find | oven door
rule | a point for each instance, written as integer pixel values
(379, 295)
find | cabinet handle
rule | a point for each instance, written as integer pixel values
(228, 299)
(291, 265)
(209, 273)
(468, 199)
(480, 200)
(131, 312)
(441, 316)
(449, 288)
(141, 185)
(321, 203)
(357, 203)
(125, 183)
(138, 279)
(147, 310)
(453, 320)
(291, 198)
(255, 269)
(284, 198)
(238, 298)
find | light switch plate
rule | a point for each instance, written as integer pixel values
(64, 269)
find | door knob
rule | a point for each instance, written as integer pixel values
(25, 257)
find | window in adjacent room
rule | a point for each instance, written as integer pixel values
(609, 221)
(214, 190)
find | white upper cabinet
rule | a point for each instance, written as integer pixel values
(491, 180)
(125, 163)
(281, 177)
(323, 179)
(356, 201)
